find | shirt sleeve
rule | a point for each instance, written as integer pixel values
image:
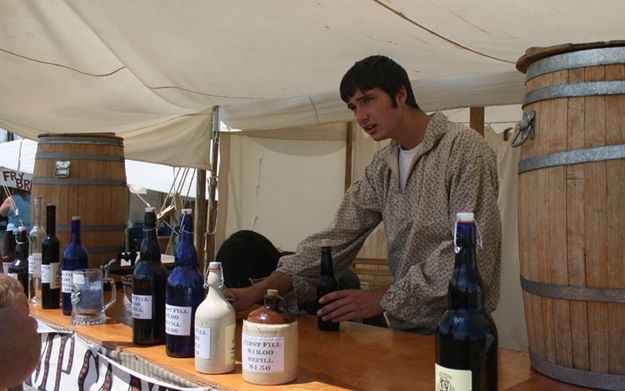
(472, 185)
(357, 216)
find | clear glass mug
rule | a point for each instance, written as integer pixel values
(88, 307)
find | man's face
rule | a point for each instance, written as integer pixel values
(374, 112)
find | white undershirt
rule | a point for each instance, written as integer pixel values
(405, 158)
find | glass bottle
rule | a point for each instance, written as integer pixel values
(75, 257)
(19, 268)
(185, 292)
(327, 283)
(8, 249)
(35, 237)
(50, 263)
(149, 280)
(215, 323)
(466, 336)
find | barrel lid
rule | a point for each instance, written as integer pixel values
(534, 54)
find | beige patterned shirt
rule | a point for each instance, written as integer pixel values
(454, 171)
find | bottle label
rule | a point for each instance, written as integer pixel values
(177, 320)
(142, 306)
(203, 342)
(34, 264)
(262, 354)
(66, 281)
(50, 275)
(448, 379)
(13, 275)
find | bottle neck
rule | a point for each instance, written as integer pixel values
(150, 250)
(51, 220)
(214, 285)
(327, 269)
(186, 256)
(37, 212)
(76, 232)
(465, 286)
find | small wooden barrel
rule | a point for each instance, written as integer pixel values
(572, 212)
(85, 175)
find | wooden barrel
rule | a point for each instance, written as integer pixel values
(85, 175)
(572, 212)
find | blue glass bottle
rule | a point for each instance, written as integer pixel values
(185, 292)
(75, 257)
(466, 336)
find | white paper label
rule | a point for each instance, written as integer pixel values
(34, 264)
(452, 379)
(203, 342)
(66, 282)
(263, 354)
(13, 275)
(50, 275)
(142, 306)
(177, 320)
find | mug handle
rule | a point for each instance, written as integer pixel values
(113, 293)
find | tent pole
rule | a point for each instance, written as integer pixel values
(349, 136)
(476, 119)
(200, 215)
(213, 186)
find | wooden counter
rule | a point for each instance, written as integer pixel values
(358, 357)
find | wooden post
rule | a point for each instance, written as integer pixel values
(476, 121)
(349, 136)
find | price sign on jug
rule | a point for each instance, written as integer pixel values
(263, 354)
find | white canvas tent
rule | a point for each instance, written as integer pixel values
(152, 70)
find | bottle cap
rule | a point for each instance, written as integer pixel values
(325, 242)
(187, 211)
(272, 292)
(214, 266)
(75, 218)
(465, 217)
(21, 228)
(149, 209)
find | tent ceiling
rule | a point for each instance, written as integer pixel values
(151, 70)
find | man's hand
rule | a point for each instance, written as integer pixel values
(20, 347)
(244, 298)
(350, 304)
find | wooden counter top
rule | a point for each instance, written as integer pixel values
(358, 357)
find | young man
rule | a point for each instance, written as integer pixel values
(431, 170)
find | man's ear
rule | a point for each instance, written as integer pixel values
(402, 95)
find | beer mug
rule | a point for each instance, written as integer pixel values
(88, 306)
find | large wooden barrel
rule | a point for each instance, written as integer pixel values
(85, 175)
(572, 212)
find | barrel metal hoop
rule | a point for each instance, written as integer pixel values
(78, 156)
(93, 228)
(616, 87)
(601, 380)
(81, 140)
(71, 181)
(575, 156)
(576, 59)
(570, 292)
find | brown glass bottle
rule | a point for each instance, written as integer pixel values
(8, 250)
(327, 283)
(19, 267)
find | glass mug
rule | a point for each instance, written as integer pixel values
(88, 306)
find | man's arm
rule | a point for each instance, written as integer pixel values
(20, 347)
(246, 297)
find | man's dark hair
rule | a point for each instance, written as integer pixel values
(377, 71)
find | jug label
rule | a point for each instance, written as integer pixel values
(50, 275)
(177, 320)
(203, 342)
(452, 379)
(263, 354)
(66, 283)
(142, 306)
